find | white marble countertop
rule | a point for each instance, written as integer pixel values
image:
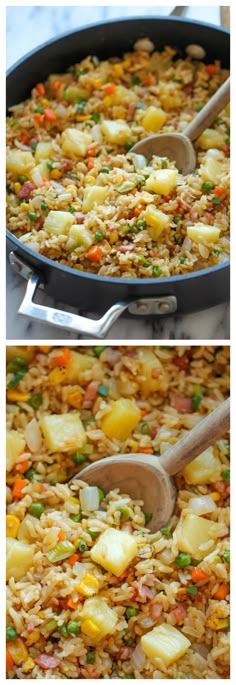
(28, 27)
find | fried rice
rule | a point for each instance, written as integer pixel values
(78, 195)
(161, 393)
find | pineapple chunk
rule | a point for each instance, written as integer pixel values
(117, 132)
(211, 169)
(151, 367)
(75, 143)
(162, 181)
(98, 619)
(19, 162)
(194, 531)
(19, 558)
(114, 550)
(211, 138)
(58, 223)
(153, 119)
(123, 96)
(203, 233)
(79, 363)
(73, 93)
(156, 221)
(27, 532)
(166, 643)
(121, 420)
(63, 432)
(79, 236)
(27, 353)
(15, 445)
(93, 195)
(170, 96)
(43, 151)
(204, 469)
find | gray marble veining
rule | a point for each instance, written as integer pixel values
(27, 27)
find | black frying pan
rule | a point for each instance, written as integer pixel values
(88, 292)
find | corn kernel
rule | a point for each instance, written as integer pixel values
(75, 398)
(23, 207)
(83, 117)
(88, 585)
(217, 623)
(18, 651)
(33, 637)
(28, 665)
(55, 173)
(89, 180)
(44, 102)
(215, 496)
(90, 628)
(12, 526)
(17, 187)
(57, 376)
(16, 396)
(74, 499)
(118, 69)
(113, 237)
(97, 83)
(108, 101)
(126, 63)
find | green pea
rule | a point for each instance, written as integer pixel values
(90, 657)
(50, 164)
(165, 532)
(96, 116)
(76, 517)
(141, 223)
(131, 611)
(33, 216)
(99, 349)
(36, 509)
(135, 80)
(183, 560)
(22, 179)
(78, 458)
(177, 218)
(216, 201)
(44, 206)
(40, 110)
(226, 475)
(192, 590)
(103, 390)
(182, 260)
(30, 473)
(157, 271)
(105, 170)
(73, 628)
(207, 185)
(99, 236)
(11, 633)
(226, 556)
(139, 105)
(63, 630)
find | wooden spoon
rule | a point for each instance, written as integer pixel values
(147, 477)
(178, 146)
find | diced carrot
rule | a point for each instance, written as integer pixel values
(18, 486)
(143, 412)
(21, 466)
(110, 89)
(44, 179)
(73, 559)
(57, 84)
(40, 89)
(92, 151)
(63, 602)
(39, 118)
(137, 211)
(91, 163)
(9, 661)
(124, 574)
(44, 348)
(71, 604)
(211, 69)
(133, 191)
(64, 357)
(146, 450)
(222, 592)
(24, 139)
(49, 114)
(148, 80)
(61, 535)
(218, 190)
(198, 574)
(166, 198)
(94, 254)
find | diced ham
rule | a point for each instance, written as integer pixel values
(155, 611)
(182, 362)
(126, 248)
(112, 356)
(188, 89)
(90, 394)
(31, 626)
(154, 430)
(220, 486)
(25, 189)
(92, 671)
(194, 214)
(179, 614)
(124, 653)
(143, 592)
(45, 661)
(66, 164)
(127, 527)
(79, 217)
(182, 404)
(156, 372)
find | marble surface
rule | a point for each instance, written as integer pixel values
(27, 27)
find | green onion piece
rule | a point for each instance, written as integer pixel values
(30, 473)
(103, 390)
(145, 262)
(131, 611)
(199, 389)
(82, 546)
(78, 458)
(105, 170)
(33, 216)
(148, 517)
(126, 675)
(73, 628)
(99, 349)
(17, 377)
(182, 560)
(216, 250)
(128, 639)
(135, 80)
(36, 509)
(62, 550)
(81, 105)
(80, 72)
(192, 590)
(207, 185)
(145, 428)
(128, 146)
(180, 676)
(227, 140)
(36, 400)
(50, 164)
(96, 116)
(76, 517)
(23, 200)
(177, 218)
(157, 271)
(101, 495)
(196, 399)
(49, 626)
(164, 164)
(11, 633)
(125, 513)
(33, 145)
(63, 630)
(226, 475)
(93, 533)
(74, 177)
(141, 223)
(165, 532)
(90, 657)
(126, 186)
(40, 110)
(89, 421)
(16, 364)
(139, 105)
(72, 210)
(43, 206)
(182, 260)
(226, 556)
(99, 236)
(216, 201)
(88, 449)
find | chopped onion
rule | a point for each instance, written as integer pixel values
(139, 161)
(21, 146)
(33, 435)
(202, 505)
(89, 498)
(195, 51)
(138, 658)
(96, 133)
(61, 551)
(187, 244)
(216, 154)
(146, 622)
(144, 45)
(36, 177)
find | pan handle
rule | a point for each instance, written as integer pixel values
(162, 305)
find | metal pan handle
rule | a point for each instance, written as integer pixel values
(163, 305)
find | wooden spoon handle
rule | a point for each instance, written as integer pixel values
(225, 16)
(197, 440)
(207, 115)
